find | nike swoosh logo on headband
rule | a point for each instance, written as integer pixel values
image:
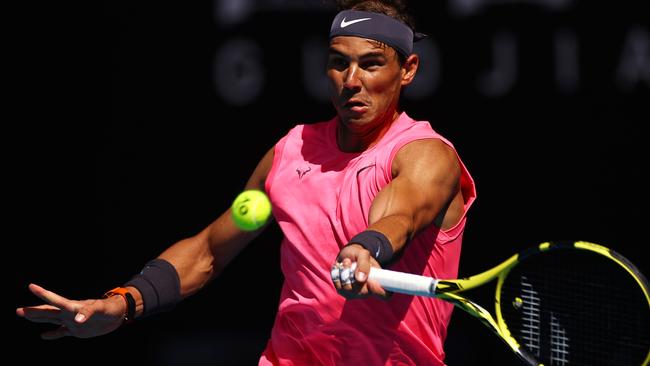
(345, 24)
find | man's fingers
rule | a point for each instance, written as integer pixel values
(48, 310)
(52, 298)
(335, 272)
(362, 266)
(376, 289)
(342, 276)
(84, 314)
(346, 277)
(41, 314)
(60, 332)
(351, 279)
(40, 309)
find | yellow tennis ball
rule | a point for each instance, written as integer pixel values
(251, 209)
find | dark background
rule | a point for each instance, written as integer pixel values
(140, 129)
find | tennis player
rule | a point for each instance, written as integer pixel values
(371, 185)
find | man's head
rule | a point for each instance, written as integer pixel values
(370, 60)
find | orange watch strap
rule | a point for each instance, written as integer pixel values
(130, 302)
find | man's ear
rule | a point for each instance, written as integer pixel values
(410, 68)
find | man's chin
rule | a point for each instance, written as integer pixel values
(355, 117)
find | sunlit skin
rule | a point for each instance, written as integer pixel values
(366, 79)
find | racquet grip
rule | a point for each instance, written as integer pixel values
(405, 283)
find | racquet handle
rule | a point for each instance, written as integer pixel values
(405, 283)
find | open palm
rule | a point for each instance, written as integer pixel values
(77, 318)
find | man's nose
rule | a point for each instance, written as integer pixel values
(352, 80)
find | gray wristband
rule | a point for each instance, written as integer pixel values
(160, 286)
(376, 243)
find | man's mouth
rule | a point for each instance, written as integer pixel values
(355, 105)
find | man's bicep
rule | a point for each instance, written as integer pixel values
(426, 175)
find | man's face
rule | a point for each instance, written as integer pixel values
(365, 80)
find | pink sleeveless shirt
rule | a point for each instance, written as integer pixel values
(321, 197)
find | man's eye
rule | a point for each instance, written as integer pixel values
(337, 63)
(371, 64)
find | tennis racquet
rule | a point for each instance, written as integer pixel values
(568, 303)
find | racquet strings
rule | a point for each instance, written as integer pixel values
(576, 307)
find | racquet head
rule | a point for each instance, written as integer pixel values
(575, 304)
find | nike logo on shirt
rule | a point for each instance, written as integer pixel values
(345, 24)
